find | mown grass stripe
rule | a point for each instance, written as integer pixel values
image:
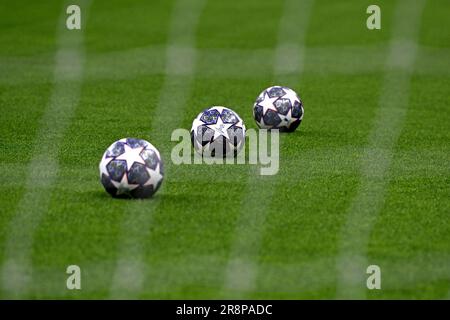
(17, 270)
(181, 56)
(376, 160)
(242, 269)
(228, 63)
(291, 280)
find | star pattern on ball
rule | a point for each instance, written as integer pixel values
(155, 176)
(279, 112)
(261, 123)
(123, 187)
(124, 173)
(267, 103)
(220, 128)
(131, 155)
(291, 95)
(211, 139)
(103, 164)
(285, 120)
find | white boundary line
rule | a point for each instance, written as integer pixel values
(17, 270)
(181, 57)
(352, 260)
(241, 272)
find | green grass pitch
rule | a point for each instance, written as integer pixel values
(366, 174)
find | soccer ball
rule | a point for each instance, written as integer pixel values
(131, 168)
(278, 108)
(218, 132)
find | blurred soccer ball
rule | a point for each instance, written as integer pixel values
(131, 168)
(278, 108)
(218, 132)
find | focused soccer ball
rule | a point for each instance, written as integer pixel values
(278, 108)
(131, 168)
(218, 132)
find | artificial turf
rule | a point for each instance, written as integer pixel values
(188, 231)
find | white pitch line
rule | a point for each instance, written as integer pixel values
(181, 56)
(17, 270)
(242, 269)
(352, 260)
